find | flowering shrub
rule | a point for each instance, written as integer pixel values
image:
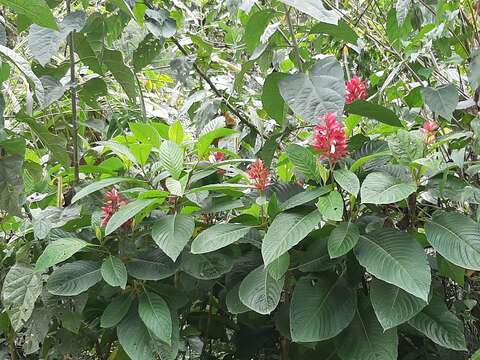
(329, 138)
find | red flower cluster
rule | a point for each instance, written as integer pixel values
(429, 128)
(113, 201)
(259, 175)
(329, 138)
(219, 156)
(356, 90)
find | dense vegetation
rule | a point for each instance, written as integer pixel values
(240, 179)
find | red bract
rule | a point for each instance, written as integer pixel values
(356, 89)
(429, 128)
(113, 201)
(329, 138)
(259, 175)
(219, 156)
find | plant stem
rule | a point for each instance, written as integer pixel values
(73, 91)
(294, 39)
(142, 98)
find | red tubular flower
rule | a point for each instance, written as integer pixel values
(113, 201)
(429, 128)
(259, 175)
(329, 138)
(219, 155)
(356, 89)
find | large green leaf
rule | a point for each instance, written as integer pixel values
(11, 184)
(393, 306)
(260, 292)
(397, 258)
(341, 31)
(151, 265)
(74, 278)
(44, 43)
(172, 232)
(135, 338)
(456, 237)
(342, 239)
(286, 231)
(206, 266)
(218, 236)
(114, 271)
(321, 308)
(450, 270)
(331, 206)
(116, 310)
(374, 111)
(319, 91)
(113, 59)
(58, 251)
(159, 23)
(442, 100)
(126, 212)
(171, 158)
(304, 160)
(232, 300)
(347, 180)
(365, 339)
(97, 185)
(37, 11)
(155, 314)
(315, 9)
(146, 52)
(255, 27)
(21, 288)
(277, 268)
(382, 188)
(440, 325)
(303, 197)
(272, 100)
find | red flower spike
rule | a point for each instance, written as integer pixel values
(429, 128)
(356, 89)
(219, 156)
(113, 201)
(259, 175)
(329, 138)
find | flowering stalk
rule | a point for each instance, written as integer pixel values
(356, 89)
(259, 175)
(429, 128)
(113, 201)
(329, 139)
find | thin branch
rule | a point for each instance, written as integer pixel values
(294, 39)
(142, 97)
(73, 91)
(241, 117)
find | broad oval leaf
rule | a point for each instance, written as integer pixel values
(381, 188)
(114, 272)
(393, 306)
(260, 292)
(36, 11)
(98, 185)
(347, 180)
(233, 302)
(331, 206)
(74, 278)
(151, 265)
(456, 237)
(342, 239)
(315, 9)
(218, 236)
(58, 251)
(442, 100)
(126, 212)
(135, 338)
(304, 197)
(171, 158)
(374, 111)
(172, 232)
(206, 266)
(155, 314)
(319, 91)
(397, 258)
(321, 308)
(116, 310)
(277, 268)
(286, 231)
(304, 160)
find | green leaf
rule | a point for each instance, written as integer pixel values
(374, 111)
(232, 300)
(393, 306)
(304, 160)
(260, 292)
(145, 133)
(11, 184)
(382, 188)
(126, 212)
(206, 266)
(304, 197)
(160, 24)
(114, 272)
(442, 100)
(286, 231)
(172, 232)
(37, 11)
(217, 237)
(255, 27)
(146, 52)
(44, 43)
(315, 9)
(406, 146)
(321, 308)
(440, 325)
(279, 267)
(450, 270)
(155, 314)
(397, 258)
(272, 100)
(58, 251)
(151, 265)
(74, 278)
(21, 288)
(365, 339)
(347, 180)
(206, 140)
(176, 133)
(135, 338)
(402, 10)
(331, 206)
(342, 239)
(97, 185)
(319, 91)
(116, 310)
(476, 356)
(341, 31)
(113, 59)
(171, 158)
(456, 237)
